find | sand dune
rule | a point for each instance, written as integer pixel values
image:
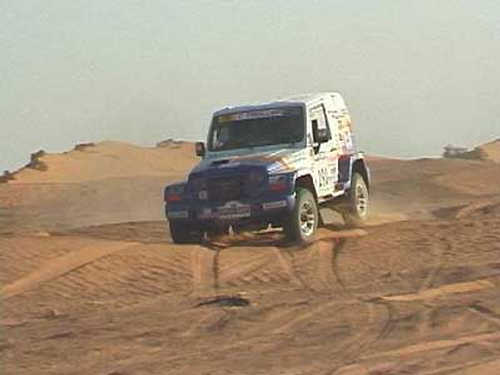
(492, 150)
(91, 282)
(110, 160)
(106, 183)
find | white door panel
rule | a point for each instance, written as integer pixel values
(325, 160)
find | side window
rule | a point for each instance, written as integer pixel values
(314, 125)
(318, 120)
(333, 119)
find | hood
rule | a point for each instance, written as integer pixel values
(281, 161)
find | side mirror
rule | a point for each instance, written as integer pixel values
(200, 149)
(320, 135)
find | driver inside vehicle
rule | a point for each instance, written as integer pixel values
(222, 136)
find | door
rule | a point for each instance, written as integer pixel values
(325, 168)
(340, 123)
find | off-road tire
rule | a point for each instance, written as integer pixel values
(183, 233)
(356, 213)
(302, 223)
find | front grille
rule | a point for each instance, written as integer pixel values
(225, 188)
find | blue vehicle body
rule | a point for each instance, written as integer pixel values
(256, 203)
(256, 184)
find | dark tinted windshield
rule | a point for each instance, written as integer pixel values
(257, 128)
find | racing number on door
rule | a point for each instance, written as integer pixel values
(323, 177)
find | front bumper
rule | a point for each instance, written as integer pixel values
(271, 209)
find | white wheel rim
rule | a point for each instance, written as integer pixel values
(307, 218)
(361, 200)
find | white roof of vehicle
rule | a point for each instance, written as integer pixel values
(296, 99)
(308, 98)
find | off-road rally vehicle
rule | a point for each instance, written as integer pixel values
(272, 164)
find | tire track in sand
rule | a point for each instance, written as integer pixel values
(424, 291)
(287, 266)
(204, 268)
(369, 335)
(319, 258)
(439, 254)
(242, 269)
(434, 345)
(209, 274)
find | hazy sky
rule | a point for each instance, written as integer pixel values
(416, 74)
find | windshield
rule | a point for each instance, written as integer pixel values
(257, 128)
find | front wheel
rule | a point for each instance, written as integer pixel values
(183, 233)
(303, 221)
(357, 212)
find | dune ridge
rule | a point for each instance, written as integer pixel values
(107, 159)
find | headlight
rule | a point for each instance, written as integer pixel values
(174, 193)
(198, 187)
(279, 182)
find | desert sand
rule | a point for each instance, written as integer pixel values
(91, 282)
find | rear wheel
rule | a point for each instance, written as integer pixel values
(302, 223)
(357, 212)
(183, 233)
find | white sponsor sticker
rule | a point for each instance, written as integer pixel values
(233, 210)
(178, 214)
(252, 115)
(205, 213)
(272, 205)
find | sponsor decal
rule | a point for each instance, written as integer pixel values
(251, 115)
(273, 205)
(233, 210)
(323, 177)
(206, 213)
(230, 164)
(178, 214)
(334, 171)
